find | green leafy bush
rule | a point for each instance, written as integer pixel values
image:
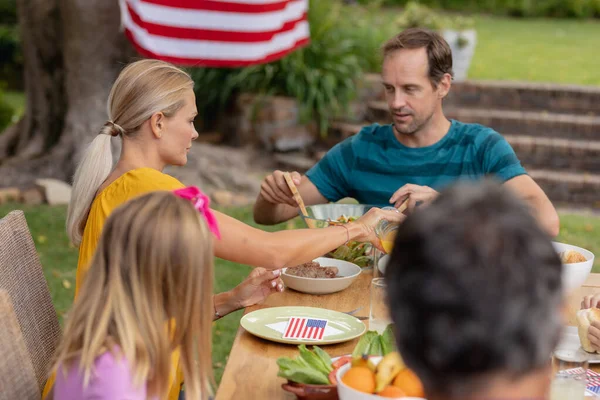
(321, 76)
(11, 58)
(8, 12)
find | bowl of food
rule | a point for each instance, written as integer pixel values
(312, 374)
(383, 377)
(321, 276)
(324, 215)
(577, 264)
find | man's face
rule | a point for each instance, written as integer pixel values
(411, 98)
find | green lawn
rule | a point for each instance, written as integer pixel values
(543, 50)
(546, 50)
(59, 261)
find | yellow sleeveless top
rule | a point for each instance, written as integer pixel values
(129, 185)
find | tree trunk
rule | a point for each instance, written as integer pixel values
(73, 51)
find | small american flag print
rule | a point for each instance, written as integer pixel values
(305, 328)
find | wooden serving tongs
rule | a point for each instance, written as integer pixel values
(295, 193)
(403, 206)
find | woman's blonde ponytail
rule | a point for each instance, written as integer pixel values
(92, 171)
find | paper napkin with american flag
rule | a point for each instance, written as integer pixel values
(302, 328)
(593, 381)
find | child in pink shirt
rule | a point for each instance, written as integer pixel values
(147, 304)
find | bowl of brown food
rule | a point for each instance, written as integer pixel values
(324, 215)
(321, 276)
(577, 264)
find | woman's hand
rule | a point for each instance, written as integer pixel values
(253, 290)
(257, 287)
(369, 221)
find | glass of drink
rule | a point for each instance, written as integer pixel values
(569, 378)
(379, 317)
(386, 232)
(380, 260)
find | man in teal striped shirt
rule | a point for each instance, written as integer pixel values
(417, 155)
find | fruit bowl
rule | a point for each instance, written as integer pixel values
(345, 392)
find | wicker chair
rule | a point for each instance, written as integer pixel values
(17, 377)
(22, 278)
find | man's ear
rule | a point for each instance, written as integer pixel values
(444, 85)
(157, 122)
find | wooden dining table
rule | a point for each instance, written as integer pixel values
(251, 370)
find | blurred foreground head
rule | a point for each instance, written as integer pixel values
(474, 289)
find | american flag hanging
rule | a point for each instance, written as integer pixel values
(216, 33)
(305, 328)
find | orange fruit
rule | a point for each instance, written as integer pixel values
(360, 378)
(409, 383)
(392, 391)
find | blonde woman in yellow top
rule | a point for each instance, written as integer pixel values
(151, 108)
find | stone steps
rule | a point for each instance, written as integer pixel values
(526, 96)
(539, 124)
(510, 95)
(557, 154)
(569, 189)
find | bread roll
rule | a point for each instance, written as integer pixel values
(584, 319)
(571, 256)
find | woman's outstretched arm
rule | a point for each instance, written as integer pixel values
(244, 244)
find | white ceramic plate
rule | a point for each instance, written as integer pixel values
(347, 273)
(569, 347)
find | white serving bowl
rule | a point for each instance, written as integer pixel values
(347, 273)
(575, 274)
(347, 393)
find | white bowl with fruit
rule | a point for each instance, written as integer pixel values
(313, 375)
(378, 378)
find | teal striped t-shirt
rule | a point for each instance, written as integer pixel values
(371, 165)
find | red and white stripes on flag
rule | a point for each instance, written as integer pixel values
(216, 33)
(305, 328)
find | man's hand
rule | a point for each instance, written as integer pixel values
(415, 194)
(594, 335)
(275, 190)
(591, 301)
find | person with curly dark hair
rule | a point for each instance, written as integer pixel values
(474, 290)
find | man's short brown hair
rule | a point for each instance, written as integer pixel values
(439, 54)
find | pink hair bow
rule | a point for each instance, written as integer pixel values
(201, 203)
